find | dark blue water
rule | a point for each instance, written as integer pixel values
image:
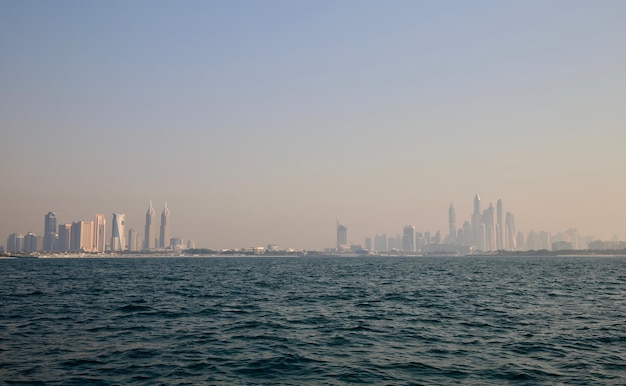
(437, 320)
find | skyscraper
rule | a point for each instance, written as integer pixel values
(81, 239)
(164, 240)
(133, 240)
(477, 228)
(380, 243)
(452, 225)
(15, 242)
(342, 236)
(50, 232)
(99, 233)
(408, 238)
(499, 226)
(150, 234)
(489, 221)
(509, 231)
(64, 241)
(117, 232)
(30, 242)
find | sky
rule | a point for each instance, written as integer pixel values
(265, 122)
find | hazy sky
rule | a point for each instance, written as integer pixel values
(266, 121)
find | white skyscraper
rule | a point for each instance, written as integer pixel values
(118, 242)
(99, 235)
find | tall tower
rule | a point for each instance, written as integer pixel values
(499, 226)
(452, 224)
(81, 236)
(150, 235)
(489, 222)
(99, 233)
(511, 241)
(342, 236)
(64, 243)
(408, 238)
(164, 240)
(118, 243)
(50, 232)
(477, 228)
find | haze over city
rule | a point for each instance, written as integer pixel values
(266, 122)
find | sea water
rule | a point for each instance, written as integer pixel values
(322, 320)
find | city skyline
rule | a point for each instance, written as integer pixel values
(264, 122)
(489, 230)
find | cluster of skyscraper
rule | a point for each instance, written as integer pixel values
(489, 230)
(90, 236)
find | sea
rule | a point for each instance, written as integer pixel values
(472, 320)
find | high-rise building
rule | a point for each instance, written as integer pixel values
(99, 233)
(81, 239)
(452, 225)
(30, 242)
(368, 243)
(521, 243)
(342, 236)
(133, 240)
(509, 232)
(64, 241)
(408, 238)
(477, 227)
(118, 243)
(499, 226)
(380, 243)
(50, 232)
(150, 231)
(15, 242)
(489, 222)
(467, 234)
(164, 240)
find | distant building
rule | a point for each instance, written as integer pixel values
(150, 231)
(368, 243)
(477, 225)
(452, 225)
(65, 238)
(99, 233)
(562, 246)
(50, 232)
(408, 238)
(118, 243)
(30, 242)
(81, 239)
(177, 243)
(500, 244)
(510, 243)
(133, 241)
(15, 242)
(380, 243)
(467, 234)
(164, 240)
(342, 236)
(489, 222)
(192, 244)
